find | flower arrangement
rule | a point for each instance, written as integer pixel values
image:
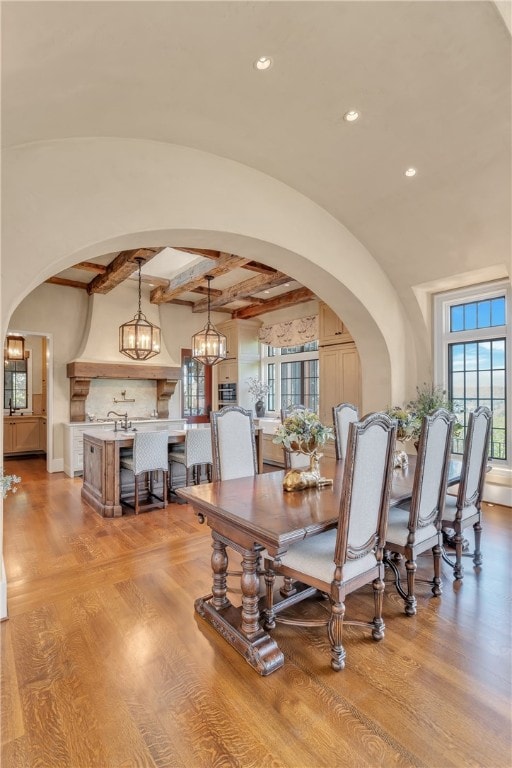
(9, 483)
(257, 389)
(405, 429)
(429, 397)
(302, 431)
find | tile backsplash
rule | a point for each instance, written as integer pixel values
(103, 391)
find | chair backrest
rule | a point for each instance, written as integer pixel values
(150, 451)
(474, 459)
(431, 475)
(366, 487)
(233, 443)
(198, 446)
(342, 416)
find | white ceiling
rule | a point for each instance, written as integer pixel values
(432, 81)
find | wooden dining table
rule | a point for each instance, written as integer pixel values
(251, 515)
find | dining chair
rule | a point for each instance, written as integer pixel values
(341, 560)
(464, 510)
(149, 456)
(197, 454)
(416, 527)
(233, 443)
(342, 416)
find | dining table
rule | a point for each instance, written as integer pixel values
(255, 517)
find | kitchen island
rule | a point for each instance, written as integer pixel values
(102, 478)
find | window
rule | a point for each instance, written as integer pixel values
(15, 384)
(292, 374)
(473, 358)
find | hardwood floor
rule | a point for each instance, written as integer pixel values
(105, 665)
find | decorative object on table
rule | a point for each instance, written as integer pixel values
(209, 346)
(138, 338)
(405, 431)
(429, 398)
(9, 483)
(303, 432)
(258, 390)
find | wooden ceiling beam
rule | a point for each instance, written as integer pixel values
(210, 254)
(90, 266)
(67, 283)
(243, 290)
(203, 289)
(195, 275)
(255, 266)
(120, 269)
(279, 302)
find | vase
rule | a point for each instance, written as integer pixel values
(300, 479)
(259, 407)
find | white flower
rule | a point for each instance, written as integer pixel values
(257, 389)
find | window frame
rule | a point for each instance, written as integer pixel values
(443, 337)
(28, 409)
(266, 359)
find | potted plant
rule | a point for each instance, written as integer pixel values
(258, 390)
(429, 397)
(8, 483)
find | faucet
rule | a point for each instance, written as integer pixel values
(124, 425)
(11, 409)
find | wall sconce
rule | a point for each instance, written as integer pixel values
(208, 345)
(138, 338)
(14, 347)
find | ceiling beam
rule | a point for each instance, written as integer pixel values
(208, 252)
(67, 283)
(256, 266)
(195, 275)
(120, 269)
(90, 266)
(280, 302)
(243, 290)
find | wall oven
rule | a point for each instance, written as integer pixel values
(227, 394)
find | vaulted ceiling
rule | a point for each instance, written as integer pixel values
(431, 81)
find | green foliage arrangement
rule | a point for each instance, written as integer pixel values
(302, 431)
(429, 397)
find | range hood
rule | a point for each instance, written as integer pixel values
(99, 357)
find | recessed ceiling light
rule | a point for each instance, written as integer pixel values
(264, 62)
(267, 291)
(287, 285)
(352, 116)
(410, 172)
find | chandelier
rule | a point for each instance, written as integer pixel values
(14, 347)
(138, 338)
(208, 346)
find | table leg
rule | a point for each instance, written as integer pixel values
(219, 571)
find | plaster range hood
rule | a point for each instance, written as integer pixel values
(99, 357)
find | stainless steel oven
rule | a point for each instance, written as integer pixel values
(227, 394)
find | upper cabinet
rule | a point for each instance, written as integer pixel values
(242, 362)
(331, 328)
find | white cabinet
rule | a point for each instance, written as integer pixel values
(74, 439)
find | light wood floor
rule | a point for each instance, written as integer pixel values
(104, 663)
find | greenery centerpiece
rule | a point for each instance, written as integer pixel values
(429, 397)
(9, 483)
(303, 432)
(258, 390)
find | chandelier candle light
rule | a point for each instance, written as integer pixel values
(138, 338)
(209, 345)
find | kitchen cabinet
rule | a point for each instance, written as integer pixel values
(332, 330)
(340, 378)
(22, 434)
(242, 362)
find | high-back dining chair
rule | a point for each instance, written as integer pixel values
(416, 527)
(342, 416)
(233, 443)
(197, 453)
(149, 456)
(339, 561)
(465, 509)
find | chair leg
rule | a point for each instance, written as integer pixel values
(136, 495)
(410, 600)
(335, 632)
(477, 555)
(458, 568)
(437, 584)
(378, 622)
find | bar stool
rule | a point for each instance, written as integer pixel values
(196, 455)
(149, 456)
